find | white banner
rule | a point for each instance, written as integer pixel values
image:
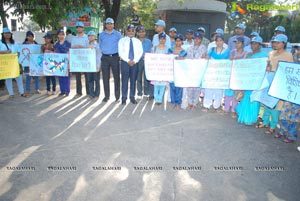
(248, 74)
(159, 67)
(217, 75)
(286, 83)
(83, 60)
(189, 72)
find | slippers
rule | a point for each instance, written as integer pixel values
(271, 131)
(260, 125)
(278, 135)
(288, 140)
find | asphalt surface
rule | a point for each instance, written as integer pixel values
(65, 149)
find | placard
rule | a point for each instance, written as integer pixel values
(83, 60)
(286, 83)
(159, 67)
(189, 72)
(217, 75)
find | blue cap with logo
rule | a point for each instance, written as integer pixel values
(48, 35)
(91, 33)
(162, 35)
(257, 39)
(280, 38)
(130, 27)
(219, 31)
(198, 35)
(241, 26)
(6, 30)
(179, 36)
(79, 24)
(280, 28)
(190, 31)
(160, 23)
(141, 29)
(201, 29)
(219, 36)
(239, 39)
(29, 33)
(173, 29)
(60, 31)
(109, 21)
(254, 33)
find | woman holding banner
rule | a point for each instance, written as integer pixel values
(48, 47)
(213, 97)
(197, 51)
(63, 46)
(248, 111)
(177, 92)
(7, 47)
(160, 86)
(30, 40)
(231, 96)
(271, 115)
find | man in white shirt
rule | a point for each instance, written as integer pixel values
(130, 51)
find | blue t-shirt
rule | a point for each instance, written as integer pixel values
(147, 46)
(62, 48)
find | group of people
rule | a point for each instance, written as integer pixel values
(125, 57)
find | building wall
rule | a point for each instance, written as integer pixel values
(183, 20)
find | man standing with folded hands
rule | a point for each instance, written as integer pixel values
(130, 51)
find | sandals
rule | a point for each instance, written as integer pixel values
(288, 140)
(278, 135)
(260, 125)
(270, 131)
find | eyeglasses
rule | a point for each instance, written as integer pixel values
(130, 30)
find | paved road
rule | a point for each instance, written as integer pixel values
(64, 149)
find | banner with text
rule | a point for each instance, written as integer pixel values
(159, 67)
(25, 51)
(217, 75)
(189, 72)
(9, 66)
(83, 60)
(248, 74)
(55, 64)
(286, 83)
(262, 95)
(36, 65)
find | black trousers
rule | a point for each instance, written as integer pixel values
(107, 63)
(79, 85)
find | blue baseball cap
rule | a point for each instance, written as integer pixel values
(201, 29)
(219, 31)
(239, 39)
(48, 35)
(173, 29)
(6, 30)
(190, 31)
(141, 29)
(79, 24)
(29, 33)
(60, 31)
(254, 33)
(160, 23)
(280, 28)
(198, 35)
(241, 26)
(130, 27)
(91, 33)
(162, 35)
(109, 21)
(257, 39)
(179, 36)
(280, 38)
(219, 36)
